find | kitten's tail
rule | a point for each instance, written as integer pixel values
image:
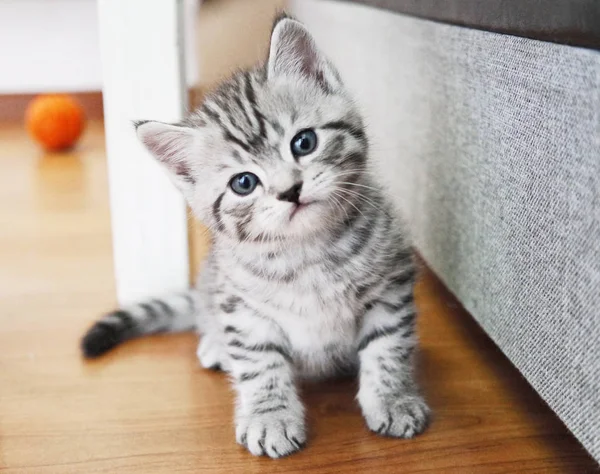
(172, 313)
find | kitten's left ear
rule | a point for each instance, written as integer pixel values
(294, 54)
(172, 146)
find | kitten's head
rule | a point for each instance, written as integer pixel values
(277, 152)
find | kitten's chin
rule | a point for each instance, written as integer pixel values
(308, 220)
(304, 222)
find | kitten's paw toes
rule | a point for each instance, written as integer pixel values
(402, 417)
(210, 354)
(274, 434)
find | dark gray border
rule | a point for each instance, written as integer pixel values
(572, 22)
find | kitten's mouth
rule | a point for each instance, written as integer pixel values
(299, 208)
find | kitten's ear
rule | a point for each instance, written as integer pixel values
(294, 53)
(171, 145)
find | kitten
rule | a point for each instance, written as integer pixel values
(309, 274)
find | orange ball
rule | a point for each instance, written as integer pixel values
(55, 121)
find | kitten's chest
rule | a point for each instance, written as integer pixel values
(321, 328)
(317, 316)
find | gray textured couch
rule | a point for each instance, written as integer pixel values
(490, 145)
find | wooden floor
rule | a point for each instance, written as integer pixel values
(149, 408)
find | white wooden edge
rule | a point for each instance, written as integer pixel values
(142, 51)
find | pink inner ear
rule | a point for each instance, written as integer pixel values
(171, 152)
(169, 144)
(294, 51)
(304, 49)
(164, 146)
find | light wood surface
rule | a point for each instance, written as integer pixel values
(149, 408)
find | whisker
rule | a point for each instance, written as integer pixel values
(362, 198)
(358, 185)
(348, 201)
(339, 206)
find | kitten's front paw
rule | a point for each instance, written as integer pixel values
(398, 417)
(274, 434)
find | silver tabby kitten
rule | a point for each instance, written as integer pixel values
(309, 274)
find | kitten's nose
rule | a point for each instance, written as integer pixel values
(292, 194)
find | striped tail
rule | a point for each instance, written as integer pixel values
(173, 313)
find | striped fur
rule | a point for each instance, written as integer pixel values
(315, 284)
(171, 313)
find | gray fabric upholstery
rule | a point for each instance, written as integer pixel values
(491, 146)
(505, 205)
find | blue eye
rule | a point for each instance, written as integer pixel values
(304, 143)
(244, 183)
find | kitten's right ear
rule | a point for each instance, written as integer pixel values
(171, 145)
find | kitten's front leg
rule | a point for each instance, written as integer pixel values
(269, 416)
(389, 396)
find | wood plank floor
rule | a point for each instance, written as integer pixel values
(149, 408)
